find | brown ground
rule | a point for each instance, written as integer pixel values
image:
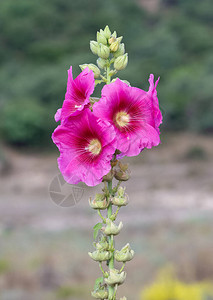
(168, 220)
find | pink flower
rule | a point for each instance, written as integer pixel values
(134, 114)
(86, 147)
(77, 95)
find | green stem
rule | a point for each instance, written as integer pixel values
(100, 215)
(107, 73)
(111, 243)
(102, 270)
(122, 267)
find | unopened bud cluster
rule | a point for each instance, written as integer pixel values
(110, 50)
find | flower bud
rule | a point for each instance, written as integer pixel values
(100, 293)
(103, 51)
(100, 202)
(101, 38)
(125, 254)
(121, 175)
(101, 63)
(109, 176)
(92, 67)
(121, 62)
(114, 34)
(119, 39)
(111, 228)
(115, 277)
(100, 255)
(114, 46)
(111, 40)
(120, 201)
(123, 298)
(107, 32)
(121, 191)
(120, 51)
(123, 167)
(94, 47)
(102, 244)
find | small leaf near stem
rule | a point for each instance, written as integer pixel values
(96, 229)
(98, 281)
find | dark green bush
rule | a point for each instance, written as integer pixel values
(23, 122)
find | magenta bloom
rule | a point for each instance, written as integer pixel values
(134, 114)
(86, 147)
(77, 95)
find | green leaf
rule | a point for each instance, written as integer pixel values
(96, 228)
(98, 281)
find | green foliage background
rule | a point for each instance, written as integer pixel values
(39, 40)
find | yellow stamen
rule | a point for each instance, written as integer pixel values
(94, 146)
(122, 118)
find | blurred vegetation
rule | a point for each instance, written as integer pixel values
(39, 42)
(167, 287)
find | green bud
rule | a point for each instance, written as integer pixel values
(114, 34)
(101, 63)
(113, 72)
(121, 191)
(121, 62)
(92, 67)
(103, 51)
(100, 202)
(101, 38)
(123, 167)
(120, 51)
(100, 293)
(114, 46)
(115, 277)
(94, 47)
(125, 254)
(102, 244)
(107, 32)
(119, 39)
(100, 255)
(111, 40)
(121, 175)
(109, 176)
(120, 201)
(111, 228)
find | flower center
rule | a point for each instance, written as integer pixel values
(122, 118)
(94, 146)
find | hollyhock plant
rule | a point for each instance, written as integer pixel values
(94, 135)
(134, 114)
(77, 95)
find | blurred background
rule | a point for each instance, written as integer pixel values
(168, 221)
